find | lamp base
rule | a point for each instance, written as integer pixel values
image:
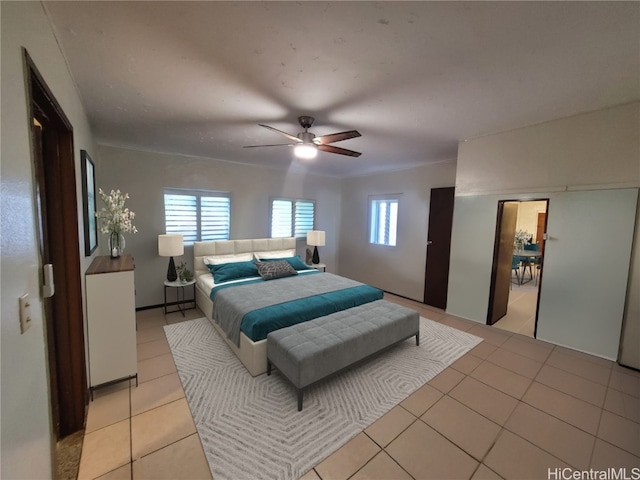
(172, 275)
(316, 258)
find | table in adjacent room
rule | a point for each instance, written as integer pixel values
(527, 255)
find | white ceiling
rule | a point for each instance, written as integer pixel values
(414, 78)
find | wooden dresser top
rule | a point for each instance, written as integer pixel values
(106, 264)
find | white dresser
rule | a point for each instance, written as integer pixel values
(111, 321)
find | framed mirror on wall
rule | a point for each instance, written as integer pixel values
(89, 203)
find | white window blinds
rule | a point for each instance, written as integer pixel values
(291, 218)
(383, 221)
(197, 215)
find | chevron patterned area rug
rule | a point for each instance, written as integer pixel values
(250, 427)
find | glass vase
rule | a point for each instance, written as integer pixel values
(116, 244)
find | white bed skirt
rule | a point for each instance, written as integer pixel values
(253, 355)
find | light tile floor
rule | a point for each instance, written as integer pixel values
(521, 309)
(511, 408)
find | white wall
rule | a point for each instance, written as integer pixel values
(592, 149)
(528, 217)
(586, 269)
(584, 283)
(397, 269)
(144, 175)
(472, 241)
(598, 149)
(26, 430)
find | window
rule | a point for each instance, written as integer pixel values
(197, 214)
(383, 216)
(291, 218)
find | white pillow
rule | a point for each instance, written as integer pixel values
(291, 252)
(230, 258)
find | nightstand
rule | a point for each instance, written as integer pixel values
(179, 285)
(318, 266)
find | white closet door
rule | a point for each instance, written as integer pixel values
(630, 341)
(586, 269)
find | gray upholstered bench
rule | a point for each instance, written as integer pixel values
(311, 351)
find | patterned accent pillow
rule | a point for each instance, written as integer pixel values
(278, 269)
(296, 262)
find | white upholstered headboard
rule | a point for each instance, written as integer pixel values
(227, 247)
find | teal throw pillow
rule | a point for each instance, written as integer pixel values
(226, 272)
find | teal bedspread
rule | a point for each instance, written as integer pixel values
(257, 324)
(257, 307)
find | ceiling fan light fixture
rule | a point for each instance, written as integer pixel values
(305, 151)
(306, 144)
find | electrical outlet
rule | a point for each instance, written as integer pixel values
(25, 313)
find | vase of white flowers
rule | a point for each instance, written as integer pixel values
(115, 219)
(521, 238)
(116, 244)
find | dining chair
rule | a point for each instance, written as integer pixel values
(515, 266)
(532, 262)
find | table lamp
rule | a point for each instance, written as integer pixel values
(315, 238)
(170, 245)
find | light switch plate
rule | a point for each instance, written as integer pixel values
(25, 313)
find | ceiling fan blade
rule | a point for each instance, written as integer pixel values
(336, 137)
(338, 150)
(273, 145)
(288, 135)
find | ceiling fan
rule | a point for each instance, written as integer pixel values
(306, 144)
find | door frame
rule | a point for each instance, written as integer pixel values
(494, 265)
(54, 167)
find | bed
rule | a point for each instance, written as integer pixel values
(247, 309)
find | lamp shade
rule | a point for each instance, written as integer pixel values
(170, 245)
(315, 238)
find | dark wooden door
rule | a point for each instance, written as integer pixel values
(436, 279)
(540, 229)
(53, 152)
(502, 261)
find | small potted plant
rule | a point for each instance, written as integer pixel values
(184, 274)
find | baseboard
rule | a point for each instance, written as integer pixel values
(161, 305)
(402, 296)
